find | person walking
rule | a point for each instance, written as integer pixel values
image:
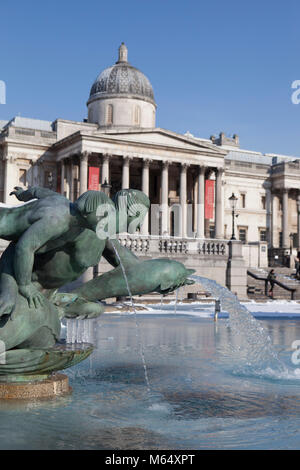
(297, 267)
(271, 278)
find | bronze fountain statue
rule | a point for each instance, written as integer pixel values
(52, 243)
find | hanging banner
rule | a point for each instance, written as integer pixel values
(94, 178)
(209, 199)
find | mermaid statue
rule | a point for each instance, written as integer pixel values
(52, 242)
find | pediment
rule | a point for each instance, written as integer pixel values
(161, 137)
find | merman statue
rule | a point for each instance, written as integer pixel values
(52, 243)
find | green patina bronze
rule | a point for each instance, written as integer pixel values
(52, 243)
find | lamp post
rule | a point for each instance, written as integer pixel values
(106, 187)
(233, 200)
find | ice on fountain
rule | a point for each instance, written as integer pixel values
(80, 331)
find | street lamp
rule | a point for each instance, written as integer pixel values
(233, 201)
(106, 187)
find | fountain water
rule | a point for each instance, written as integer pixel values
(138, 332)
(255, 352)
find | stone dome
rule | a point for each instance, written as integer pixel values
(122, 79)
(122, 96)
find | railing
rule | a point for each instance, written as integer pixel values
(213, 247)
(292, 290)
(173, 245)
(137, 244)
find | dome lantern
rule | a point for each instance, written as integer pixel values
(123, 54)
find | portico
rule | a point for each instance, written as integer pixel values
(176, 166)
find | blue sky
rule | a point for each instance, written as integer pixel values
(214, 65)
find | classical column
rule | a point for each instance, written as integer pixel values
(84, 159)
(269, 228)
(219, 206)
(105, 169)
(183, 200)
(165, 198)
(201, 199)
(40, 173)
(62, 177)
(285, 219)
(145, 189)
(71, 180)
(10, 182)
(298, 221)
(35, 174)
(195, 204)
(125, 173)
(274, 220)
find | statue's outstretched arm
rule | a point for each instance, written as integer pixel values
(33, 192)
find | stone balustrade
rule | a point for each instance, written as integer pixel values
(138, 244)
(174, 245)
(213, 247)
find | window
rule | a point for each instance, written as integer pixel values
(22, 177)
(242, 234)
(109, 114)
(263, 202)
(137, 115)
(211, 231)
(280, 239)
(263, 235)
(243, 200)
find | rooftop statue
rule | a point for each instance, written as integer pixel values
(52, 243)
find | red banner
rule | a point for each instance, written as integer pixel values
(209, 199)
(93, 178)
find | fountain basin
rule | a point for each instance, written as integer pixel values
(202, 396)
(35, 377)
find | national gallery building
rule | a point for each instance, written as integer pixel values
(188, 179)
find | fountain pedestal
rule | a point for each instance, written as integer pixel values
(30, 374)
(55, 385)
